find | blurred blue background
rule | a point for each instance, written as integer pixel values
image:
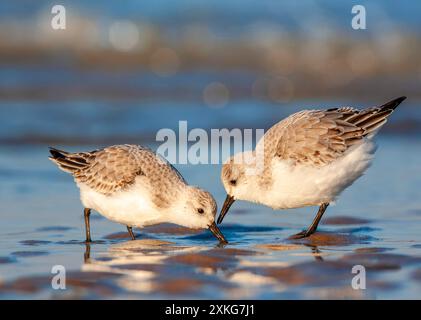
(213, 63)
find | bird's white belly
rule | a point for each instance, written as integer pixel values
(131, 208)
(301, 186)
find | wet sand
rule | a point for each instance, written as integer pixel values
(158, 266)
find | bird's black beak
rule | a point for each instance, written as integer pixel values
(229, 200)
(217, 233)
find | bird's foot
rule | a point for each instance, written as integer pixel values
(221, 244)
(300, 235)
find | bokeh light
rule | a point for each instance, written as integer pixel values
(123, 35)
(164, 62)
(216, 95)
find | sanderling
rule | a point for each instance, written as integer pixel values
(133, 186)
(309, 158)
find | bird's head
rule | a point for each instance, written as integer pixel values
(236, 181)
(200, 210)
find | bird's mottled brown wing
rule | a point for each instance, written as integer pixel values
(317, 137)
(312, 137)
(116, 167)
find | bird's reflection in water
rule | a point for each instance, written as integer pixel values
(317, 254)
(151, 266)
(87, 253)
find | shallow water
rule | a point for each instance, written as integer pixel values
(376, 223)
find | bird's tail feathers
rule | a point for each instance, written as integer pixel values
(391, 105)
(372, 119)
(66, 161)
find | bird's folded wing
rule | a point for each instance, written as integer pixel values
(318, 137)
(117, 167)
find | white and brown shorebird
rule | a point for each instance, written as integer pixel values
(309, 158)
(133, 186)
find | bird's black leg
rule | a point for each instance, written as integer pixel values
(313, 227)
(87, 213)
(131, 233)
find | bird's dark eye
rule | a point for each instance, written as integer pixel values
(200, 210)
(233, 182)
